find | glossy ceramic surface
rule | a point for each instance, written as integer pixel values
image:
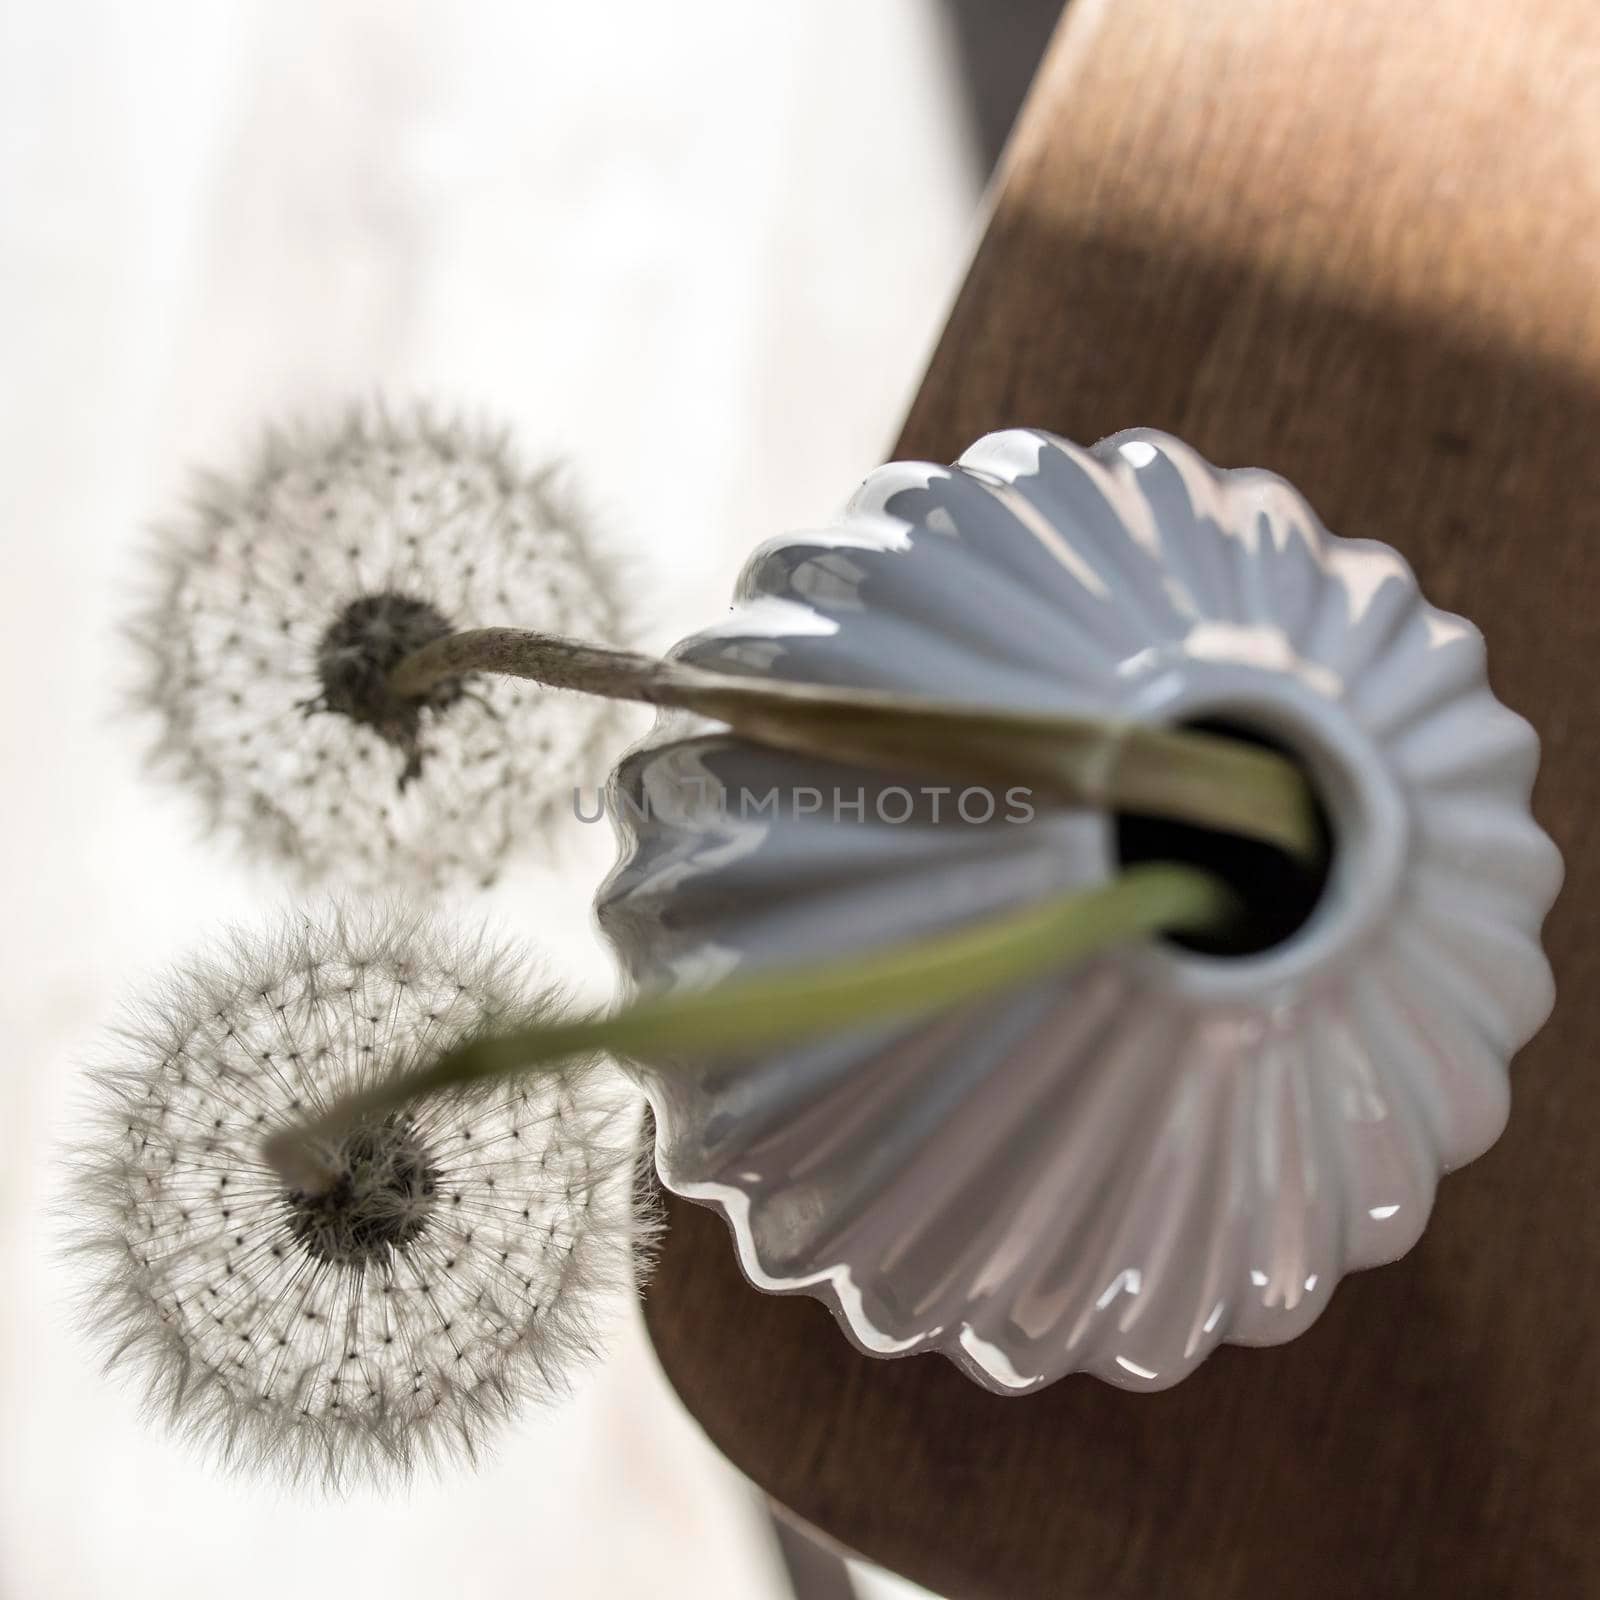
(1120, 1167)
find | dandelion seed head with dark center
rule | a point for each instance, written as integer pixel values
(292, 588)
(456, 1268)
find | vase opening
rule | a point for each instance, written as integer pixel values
(1277, 893)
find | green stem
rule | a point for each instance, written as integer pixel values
(1201, 778)
(927, 974)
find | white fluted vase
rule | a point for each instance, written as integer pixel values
(1120, 1166)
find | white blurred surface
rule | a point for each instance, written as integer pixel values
(700, 250)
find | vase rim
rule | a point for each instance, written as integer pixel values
(1365, 807)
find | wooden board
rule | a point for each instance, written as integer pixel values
(1359, 244)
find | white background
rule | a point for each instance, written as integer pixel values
(700, 250)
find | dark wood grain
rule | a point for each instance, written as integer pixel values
(1359, 244)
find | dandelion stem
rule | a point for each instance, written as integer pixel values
(1201, 778)
(798, 1002)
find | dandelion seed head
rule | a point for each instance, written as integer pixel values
(281, 602)
(453, 1270)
